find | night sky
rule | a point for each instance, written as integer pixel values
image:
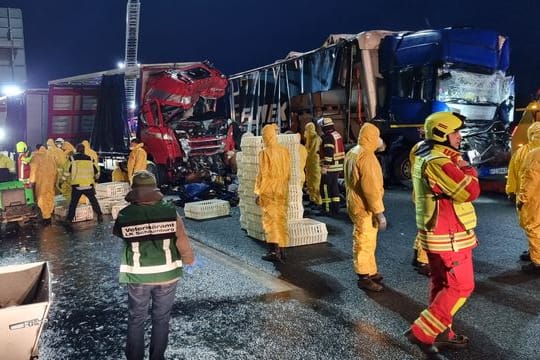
(71, 37)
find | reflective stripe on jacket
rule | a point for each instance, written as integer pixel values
(333, 151)
(443, 192)
(149, 253)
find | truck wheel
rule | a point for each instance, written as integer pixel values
(401, 167)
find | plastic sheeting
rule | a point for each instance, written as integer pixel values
(110, 132)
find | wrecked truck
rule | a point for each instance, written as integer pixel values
(184, 135)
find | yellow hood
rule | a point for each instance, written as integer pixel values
(368, 138)
(533, 134)
(269, 135)
(309, 131)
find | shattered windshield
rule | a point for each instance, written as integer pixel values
(463, 87)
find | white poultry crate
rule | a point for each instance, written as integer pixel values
(113, 190)
(116, 207)
(207, 209)
(306, 232)
(82, 212)
(106, 205)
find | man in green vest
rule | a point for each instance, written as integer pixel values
(155, 247)
(83, 176)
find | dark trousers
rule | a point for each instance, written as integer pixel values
(75, 197)
(139, 298)
(330, 192)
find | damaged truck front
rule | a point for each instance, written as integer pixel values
(178, 122)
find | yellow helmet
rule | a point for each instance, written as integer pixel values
(21, 147)
(438, 125)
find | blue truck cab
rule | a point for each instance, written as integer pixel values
(453, 69)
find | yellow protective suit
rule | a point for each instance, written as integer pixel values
(93, 155)
(313, 167)
(7, 163)
(421, 255)
(43, 173)
(136, 160)
(528, 201)
(364, 184)
(514, 168)
(68, 149)
(302, 158)
(119, 176)
(272, 187)
(59, 156)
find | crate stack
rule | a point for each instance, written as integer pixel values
(111, 195)
(83, 212)
(248, 166)
(301, 231)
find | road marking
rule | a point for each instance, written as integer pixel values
(243, 268)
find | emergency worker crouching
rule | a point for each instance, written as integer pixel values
(272, 192)
(332, 156)
(444, 187)
(7, 168)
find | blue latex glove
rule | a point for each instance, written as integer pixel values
(197, 265)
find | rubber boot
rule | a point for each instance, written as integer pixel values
(431, 351)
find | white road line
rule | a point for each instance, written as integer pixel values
(265, 279)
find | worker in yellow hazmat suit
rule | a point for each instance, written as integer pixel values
(515, 168)
(93, 155)
(119, 174)
(65, 146)
(59, 156)
(137, 158)
(313, 168)
(272, 190)
(364, 184)
(43, 174)
(528, 204)
(7, 167)
(420, 261)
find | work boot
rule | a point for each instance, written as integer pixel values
(376, 277)
(100, 218)
(525, 256)
(430, 350)
(414, 262)
(46, 222)
(273, 254)
(365, 283)
(531, 268)
(443, 340)
(423, 269)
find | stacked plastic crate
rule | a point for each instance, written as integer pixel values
(250, 213)
(110, 197)
(83, 212)
(301, 231)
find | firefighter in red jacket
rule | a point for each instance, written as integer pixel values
(444, 187)
(332, 157)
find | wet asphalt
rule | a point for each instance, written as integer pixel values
(236, 306)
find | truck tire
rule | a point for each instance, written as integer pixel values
(401, 169)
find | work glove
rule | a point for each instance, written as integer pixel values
(512, 197)
(519, 205)
(380, 221)
(324, 170)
